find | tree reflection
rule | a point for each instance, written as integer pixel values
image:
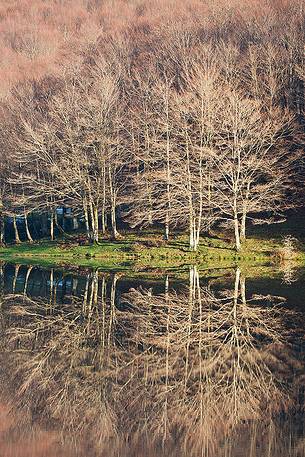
(185, 370)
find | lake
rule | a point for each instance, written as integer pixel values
(178, 363)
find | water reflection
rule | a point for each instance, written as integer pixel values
(162, 370)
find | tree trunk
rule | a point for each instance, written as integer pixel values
(64, 210)
(168, 170)
(191, 233)
(28, 233)
(17, 238)
(196, 235)
(113, 222)
(94, 222)
(114, 231)
(44, 224)
(236, 226)
(166, 227)
(237, 235)
(192, 228)
(52, 226)
(103, 220)
(197, 228)
(104, 215)
(244, 214)
(243, 227)
(2, 228)
(75, 223)
(86, 216)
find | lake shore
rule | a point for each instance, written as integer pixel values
(151, 250)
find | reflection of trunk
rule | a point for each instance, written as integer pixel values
(27, 276)
(243, 289)
(74, 286)
(103, 302)
(52, 287)
(192, 295)
(93, 296)
(112, 305)
(253, 438)
(113, 289)
(86, 292)
(166, 288)
(236, 341)
(17, 238)
(17, 268)
(236, 285)
(168, 345)
(194, 291)
(244, 299)
(194, 282)
(90, 295)
(28, 233)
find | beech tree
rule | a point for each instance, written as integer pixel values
(253, 161)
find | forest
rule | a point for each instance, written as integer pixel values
(152, 237)
(183, 116)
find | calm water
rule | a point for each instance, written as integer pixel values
(132, 364)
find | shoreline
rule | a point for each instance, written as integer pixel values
(151, 251)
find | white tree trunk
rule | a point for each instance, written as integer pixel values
(28, 233)
(17, 238)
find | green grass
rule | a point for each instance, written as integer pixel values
(146, 250)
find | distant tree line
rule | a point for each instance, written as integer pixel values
(188, 124)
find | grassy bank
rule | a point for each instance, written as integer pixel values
(148, 250)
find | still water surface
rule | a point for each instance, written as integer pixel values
(193, 363)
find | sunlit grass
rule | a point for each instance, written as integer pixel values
(147, 249)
